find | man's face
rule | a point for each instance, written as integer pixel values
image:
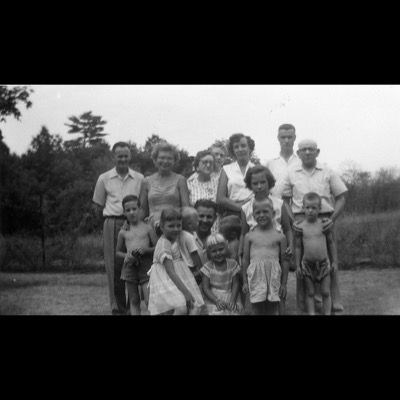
(206, 219)
(308, 154)
(122, 156)
(286, 139)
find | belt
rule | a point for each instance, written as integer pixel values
(114, 216)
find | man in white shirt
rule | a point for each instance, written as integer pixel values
(111, 187)
(287, 158)
(313, 176)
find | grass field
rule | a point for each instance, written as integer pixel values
(364, 292)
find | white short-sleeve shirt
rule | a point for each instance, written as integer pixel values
(237, 190)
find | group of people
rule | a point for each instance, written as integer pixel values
(223, 241)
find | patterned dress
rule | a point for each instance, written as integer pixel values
(164, 294)
(221, 285)
(204, 190)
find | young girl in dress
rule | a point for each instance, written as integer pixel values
(172, 285)
(265, 267)
(220, 279)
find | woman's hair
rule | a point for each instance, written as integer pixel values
(201, 154)
(230, 227)
(164, 146)
(215, 238)
(256, 170)
(220, 145)
(236, 138)
(170, 214)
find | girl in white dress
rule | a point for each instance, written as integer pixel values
(172, 285)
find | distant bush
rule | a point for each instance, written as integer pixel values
(369, 240)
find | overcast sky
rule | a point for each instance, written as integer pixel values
(351, 123)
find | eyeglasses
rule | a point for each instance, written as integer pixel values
(207, 162)
(310, 149)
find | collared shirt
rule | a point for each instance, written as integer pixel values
(237, 190)
(322, 180)
(278, 166)
(202, 190)
(201, 248)
(111, 189)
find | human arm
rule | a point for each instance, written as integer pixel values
(340, 202)
(169, 268)
(183, 192)
(232, 305)
(246, 263)
(245, 229)
(120, 250)
(222, 194)
(144, 199)
(284, 261)
(298, 244)
(332, 251)
(287, 230)
(210, 295)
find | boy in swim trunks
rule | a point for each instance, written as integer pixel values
(312, 257)
(139, 240)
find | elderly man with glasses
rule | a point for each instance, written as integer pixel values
(313, 176)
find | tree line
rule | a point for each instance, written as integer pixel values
(48, 190)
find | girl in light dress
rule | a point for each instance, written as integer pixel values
(220, 279)
(173, 288)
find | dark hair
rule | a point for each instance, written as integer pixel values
(230, 227)
(164, 146)
(264, 199)
(130, 197)
(236, 138)
(170, 214)
(311, 196)
(201, 154)
(256, 170)
(206, 204)
(120, 144)
(286, 127)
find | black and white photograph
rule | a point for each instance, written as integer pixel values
(199, 200)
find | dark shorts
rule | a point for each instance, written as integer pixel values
(137, 272)
(316, 271)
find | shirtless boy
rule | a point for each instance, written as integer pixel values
(139, 240)
(312, 257)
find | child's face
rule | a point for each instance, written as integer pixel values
(218, 253)
(131, 211)
(172, 229)
(311, 209)
(263, 213)
(194, 222)
(259, 184)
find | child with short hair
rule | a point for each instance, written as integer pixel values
(190, 223)
(312, 249)
(139, 241)
(230, 228)
(172, 284)
(265, 268)
(220, 279)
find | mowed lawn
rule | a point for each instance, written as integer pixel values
(364, 292)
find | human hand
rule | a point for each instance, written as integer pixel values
(130, 258)
(288, 253)
(245, 288)
(221, 305)
(125, 226)
(232, 307)
(282, 292)
(189, 300)
(327, 224)
(296, 227)
(141, 250)
(298, 272)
